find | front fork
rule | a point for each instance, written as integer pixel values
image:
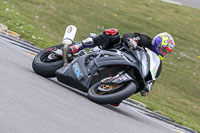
(120, 78)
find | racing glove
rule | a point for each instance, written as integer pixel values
(132, 43)
(75, 48)
(147, 89)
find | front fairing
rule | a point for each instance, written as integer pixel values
(154, 63)
(80, 72)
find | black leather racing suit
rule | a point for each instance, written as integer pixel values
(111, 39)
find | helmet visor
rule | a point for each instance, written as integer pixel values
(164, 51)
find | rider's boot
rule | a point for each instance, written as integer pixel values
(75, 48)
(68, 51)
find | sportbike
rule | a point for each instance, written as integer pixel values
(107, 76)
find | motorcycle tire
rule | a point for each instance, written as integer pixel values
(46, 68)
(112, 98)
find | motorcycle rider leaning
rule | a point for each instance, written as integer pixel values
(162, 44)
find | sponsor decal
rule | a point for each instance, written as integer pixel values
(136, 38)
(124, 77)
(69, 29)
(77, 71)
(154, 71)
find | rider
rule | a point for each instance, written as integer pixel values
(162, 44)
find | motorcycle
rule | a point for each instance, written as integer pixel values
(107, 76)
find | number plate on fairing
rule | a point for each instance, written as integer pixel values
(77, 71)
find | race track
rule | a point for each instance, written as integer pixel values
(190, 3)
(30, 103)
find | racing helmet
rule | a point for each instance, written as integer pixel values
(163, 44)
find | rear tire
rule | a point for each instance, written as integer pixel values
(46, 68)
(123, 93)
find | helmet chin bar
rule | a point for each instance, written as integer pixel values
(162, 52)
(161, 58)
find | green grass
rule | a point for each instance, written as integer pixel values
(176, 93)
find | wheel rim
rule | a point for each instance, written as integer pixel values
(104, 89)
(49, 56)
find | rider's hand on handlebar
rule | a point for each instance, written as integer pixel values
(147, 89)
(144, 93)
(132, 43)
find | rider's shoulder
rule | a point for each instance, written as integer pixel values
(137, 34)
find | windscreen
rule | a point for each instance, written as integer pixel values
(154, 63)
(145, 64)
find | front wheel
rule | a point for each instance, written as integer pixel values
(46, 62)
(111, 94)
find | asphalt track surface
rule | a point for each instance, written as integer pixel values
(30, 103)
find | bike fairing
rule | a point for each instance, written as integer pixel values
(116, 58)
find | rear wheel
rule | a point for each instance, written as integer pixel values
(111, 94)
(46, 62)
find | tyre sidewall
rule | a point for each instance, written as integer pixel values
(46, 69)
(127, 91)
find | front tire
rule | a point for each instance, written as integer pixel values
(111, 98)
(44, 66)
